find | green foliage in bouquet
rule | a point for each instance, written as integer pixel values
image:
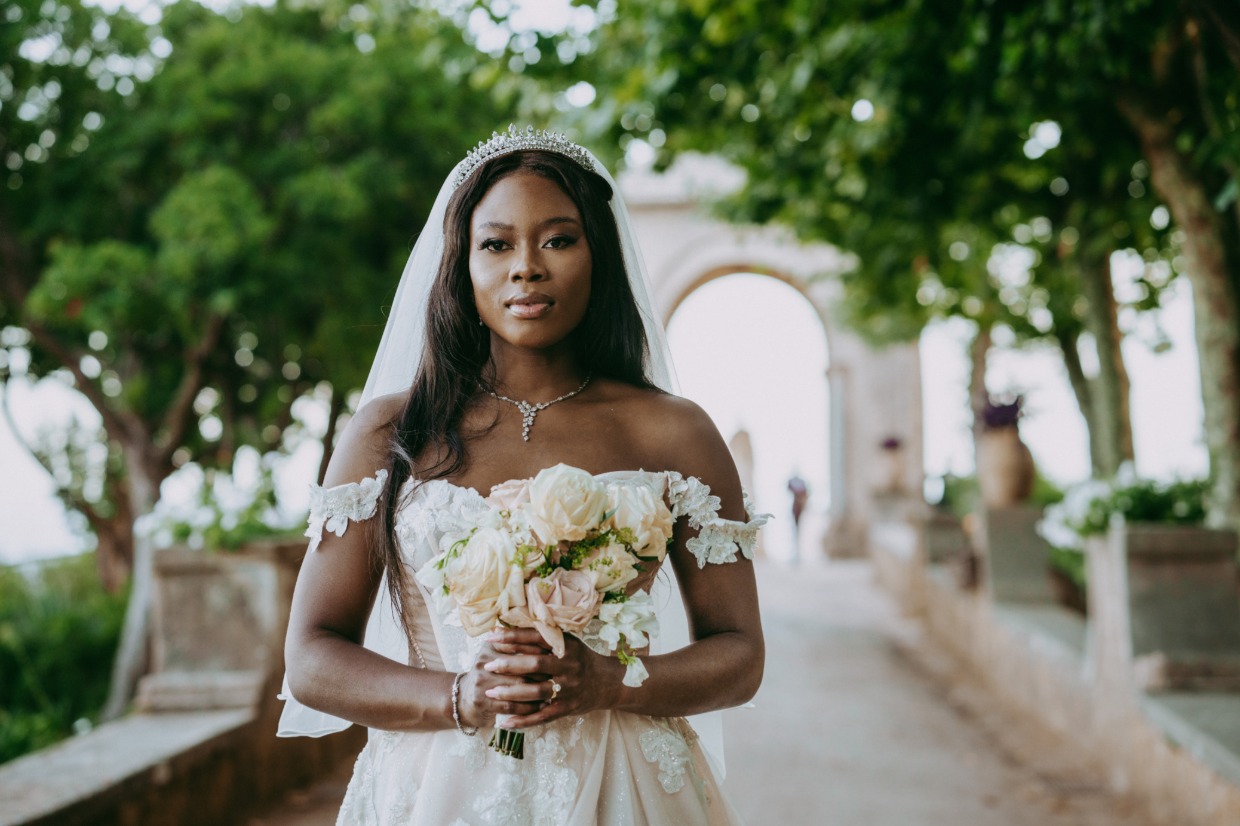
(58, 632)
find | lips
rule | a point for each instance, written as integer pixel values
(530, 305)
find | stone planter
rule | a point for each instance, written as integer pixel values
(218, 623)
(1165, 607)
(1014, 555)
(1005, 470)
(945, 537)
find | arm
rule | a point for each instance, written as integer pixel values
(723, 666)
(328, 668)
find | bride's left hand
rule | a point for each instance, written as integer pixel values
(587, 681)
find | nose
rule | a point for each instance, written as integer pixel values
(527, 265)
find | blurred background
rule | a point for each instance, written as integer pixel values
(869, 224)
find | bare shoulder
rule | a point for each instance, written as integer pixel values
(681, 436)
(363, 447)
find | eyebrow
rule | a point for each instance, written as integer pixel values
(559, 219)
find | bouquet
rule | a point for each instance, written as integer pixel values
(557, 553)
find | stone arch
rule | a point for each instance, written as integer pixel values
(873, 394)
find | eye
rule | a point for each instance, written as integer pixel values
(492, 244)
(560, 242)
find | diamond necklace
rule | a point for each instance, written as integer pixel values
(529, 411)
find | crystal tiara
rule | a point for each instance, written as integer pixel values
(516, 140)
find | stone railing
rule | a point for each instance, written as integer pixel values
(200, 747)
(1146, 684)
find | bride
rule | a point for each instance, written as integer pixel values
(521, 338)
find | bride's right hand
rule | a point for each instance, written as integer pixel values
(524, 694)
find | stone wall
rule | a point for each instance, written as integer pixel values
(1176, 751)
(201, 749)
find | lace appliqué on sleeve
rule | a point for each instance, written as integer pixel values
(333, 508)
(718, 540)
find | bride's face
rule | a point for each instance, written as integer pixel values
(529, 261)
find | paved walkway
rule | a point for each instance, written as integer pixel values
(859, 724)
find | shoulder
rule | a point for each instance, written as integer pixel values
(686, 441)
(363, 448)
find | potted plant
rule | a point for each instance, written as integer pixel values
(1079, 527)
(1005, 470)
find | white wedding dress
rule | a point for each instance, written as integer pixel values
(607, 767)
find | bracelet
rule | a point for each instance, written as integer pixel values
(456, 714)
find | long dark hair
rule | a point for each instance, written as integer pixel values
(610, 341)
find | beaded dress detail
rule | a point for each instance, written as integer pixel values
(610, 768)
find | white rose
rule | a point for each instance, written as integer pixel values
(485, 579)
(640, 509)
(612, 567)
(566, 504)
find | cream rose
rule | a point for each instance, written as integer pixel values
(510, 495)
(563, 601)
(566, 503)
(612, 567)
(640, 509)
(485, 579)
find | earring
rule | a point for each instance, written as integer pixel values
(481, 323)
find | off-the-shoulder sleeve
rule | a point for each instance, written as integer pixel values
(334, 508)
(718, 540)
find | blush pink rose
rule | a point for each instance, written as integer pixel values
(563, 601)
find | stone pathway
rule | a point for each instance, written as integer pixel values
(859, 723)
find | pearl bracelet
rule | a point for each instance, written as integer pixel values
(456, 714)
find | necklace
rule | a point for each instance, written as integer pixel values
(529, 411)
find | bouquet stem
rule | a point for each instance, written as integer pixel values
(508, 742)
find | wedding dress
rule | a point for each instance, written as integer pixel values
(610, 768)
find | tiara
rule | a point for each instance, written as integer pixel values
(516, 140)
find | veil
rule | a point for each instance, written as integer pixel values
(395, 365)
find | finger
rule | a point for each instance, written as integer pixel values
(518, 665)
(505, 648)
(536, 693)
(518, 636)
(545, 714)
(518, 710)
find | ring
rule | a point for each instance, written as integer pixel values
(555, 689)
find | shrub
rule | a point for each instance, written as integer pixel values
(58, 634)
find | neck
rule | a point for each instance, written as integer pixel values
(534, 375)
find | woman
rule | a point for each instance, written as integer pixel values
(530, 320)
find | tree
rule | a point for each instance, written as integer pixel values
(1168, 72)
(223, 239)
(917, 137)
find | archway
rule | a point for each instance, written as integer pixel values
(874, 393)
(752, 351)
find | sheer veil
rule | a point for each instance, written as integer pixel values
(395, 364)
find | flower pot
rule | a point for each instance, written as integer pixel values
(1005, 470)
